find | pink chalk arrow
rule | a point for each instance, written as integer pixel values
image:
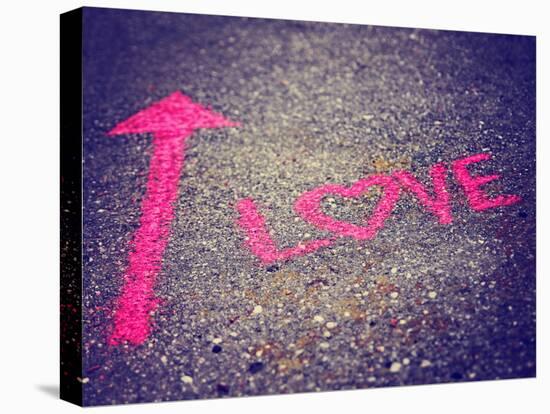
(171, 121)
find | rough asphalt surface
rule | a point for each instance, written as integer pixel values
(319, 103)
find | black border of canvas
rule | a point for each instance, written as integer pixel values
(71, 206)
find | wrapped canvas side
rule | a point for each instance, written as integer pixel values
(71, 206)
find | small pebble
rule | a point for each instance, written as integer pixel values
(257, 310)
(394, 295)
(331, 325)
(318, 318)
(393, 270)
(217, 340)
(456, 376)
(164, 359)
(255, 367)
(395, 367)
(425, 363)
(186, 379)
(432, 295)
(222, 389)
(324, 345)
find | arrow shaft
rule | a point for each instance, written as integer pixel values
(137, 299)
(171, 121)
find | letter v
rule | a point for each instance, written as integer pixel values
(439, 204)
(260, 242)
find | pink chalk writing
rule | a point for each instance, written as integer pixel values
(308, 206)
(171, 121)
(479, 201)
(438, 205)
(174, 119)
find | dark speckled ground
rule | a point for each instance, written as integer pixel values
(319, 103)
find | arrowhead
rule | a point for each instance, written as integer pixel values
(174, 115)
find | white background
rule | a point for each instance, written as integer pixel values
(29, 226)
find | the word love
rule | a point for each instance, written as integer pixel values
(308, 206)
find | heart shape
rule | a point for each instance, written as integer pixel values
(308, 206)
